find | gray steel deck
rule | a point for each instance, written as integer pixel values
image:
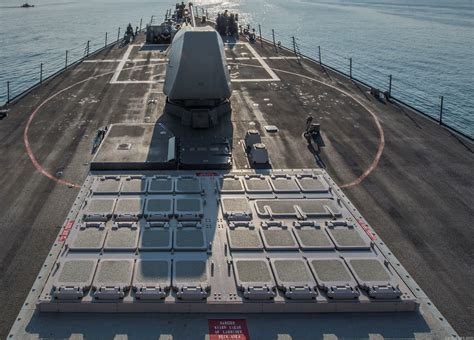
(418, 197)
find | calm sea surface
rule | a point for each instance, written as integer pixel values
(427, 45)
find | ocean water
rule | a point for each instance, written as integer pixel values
(426, 45)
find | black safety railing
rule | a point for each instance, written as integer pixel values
(17, 88)
(449, 114)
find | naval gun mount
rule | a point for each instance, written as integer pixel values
(197, 83)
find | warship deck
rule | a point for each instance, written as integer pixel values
(410, 179)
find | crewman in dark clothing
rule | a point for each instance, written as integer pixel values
(130, 31)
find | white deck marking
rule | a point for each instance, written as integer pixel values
(102, 61)
(121, 64)
(263, 63)
(165, 59)
(125, 59)
(138, 82)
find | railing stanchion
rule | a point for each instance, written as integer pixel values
(274, 43)
(105, 44)
(350, 68)
(41, 73)
(390, 85)
(8, 91)
(118, 34)
(319, 53)
(294, 46)
(260, 34)
(441, 98)
(88, 46)
(295, 50)
(141, 20)
(65, 60)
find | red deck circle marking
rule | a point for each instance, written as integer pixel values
(26, 140)
(381, 145)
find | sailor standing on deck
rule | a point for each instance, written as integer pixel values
(130, 31)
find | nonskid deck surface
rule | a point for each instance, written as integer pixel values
(403, 197)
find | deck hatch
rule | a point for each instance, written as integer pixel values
(106, 185)
(89, 236)
(294, 278)
(243, 238)
(311, 236)
(312, 184)
(155, 236)
(254, 279)
(284, 184)
(231, 185)
(99, 209)
(278, 238)
(74, 279)
(123, 236)
(189, 237)
(346, 236)
(236, 209)
(134, 185)
(297, 208)
(257, 185)
(191, 279)
(113, 279)
(129, 209)
(334, 278)
(373, 277)
(188, 208)
(158, 208)
(160, 185)
(188, 185)
(151, 279)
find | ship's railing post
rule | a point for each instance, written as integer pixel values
(87, 48)
(350, 68)
(260, 34)
(294, 45)
(390, 85)
(41, 73)
(319, 53)
(118, 34)
(151, 19)
(141, 21)
(8, 91)
(105, 43)
(441, 102)
(295, 50)
(274, 43)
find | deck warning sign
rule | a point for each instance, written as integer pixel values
(228, 329)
